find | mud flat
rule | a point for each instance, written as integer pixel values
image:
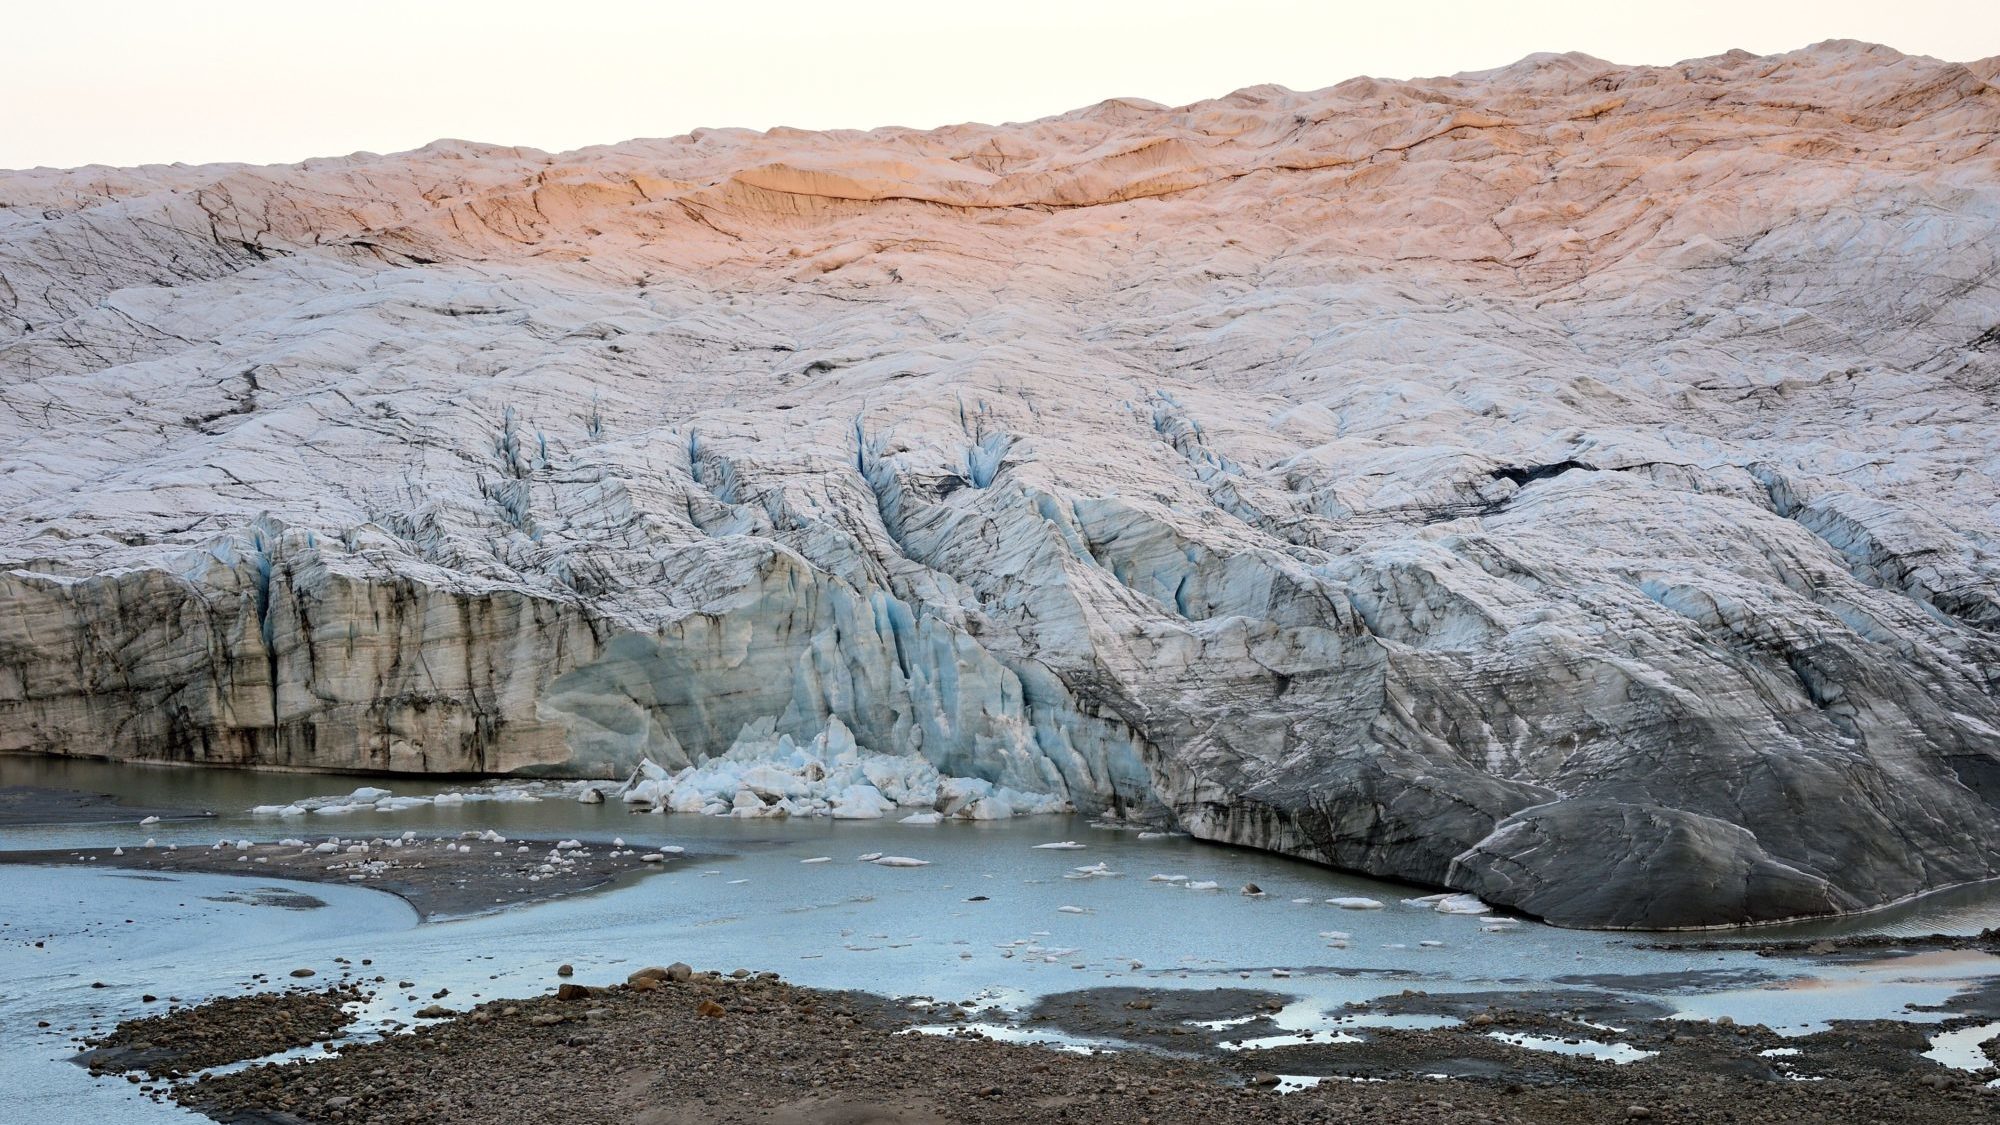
(446, 876)
(22, 805)
(747, 1047)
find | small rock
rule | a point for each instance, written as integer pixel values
(303, 973)
(565, 970)
(1265, 1079)
(1638, 1113)
(572, 992)
(678, 972)
(710, 1008)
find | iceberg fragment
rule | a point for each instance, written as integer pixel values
(767, 774)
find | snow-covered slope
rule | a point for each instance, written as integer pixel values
(1573, 484)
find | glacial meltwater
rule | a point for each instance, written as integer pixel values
(991, 916)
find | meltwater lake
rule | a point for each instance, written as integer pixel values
(993, 917)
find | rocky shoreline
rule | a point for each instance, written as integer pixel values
(672, 1046)
(185, 1040)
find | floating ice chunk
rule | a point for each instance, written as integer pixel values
(1061, 846)
(366, 795)
(829, 775)
(818, 859)
(1335, 935)
(990, 807)
(899, 861)
(772, 783)
(868, 857)
(1205, 885)
(1355, 902)
(923, 818)
(398, 804)
(448, 799)
(860, 802)
(327, 848)
(150, 820)
(1166, 879)
(117, 851)
(1071, 910)
(1462, 904)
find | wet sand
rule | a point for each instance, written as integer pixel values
(446, 876)
(730, 1049)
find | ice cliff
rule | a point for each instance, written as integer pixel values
(1570, 484)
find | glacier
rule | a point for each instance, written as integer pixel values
(1570, 485)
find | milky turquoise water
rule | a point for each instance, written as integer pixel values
(744, 898)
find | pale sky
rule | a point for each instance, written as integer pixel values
(136, 81)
